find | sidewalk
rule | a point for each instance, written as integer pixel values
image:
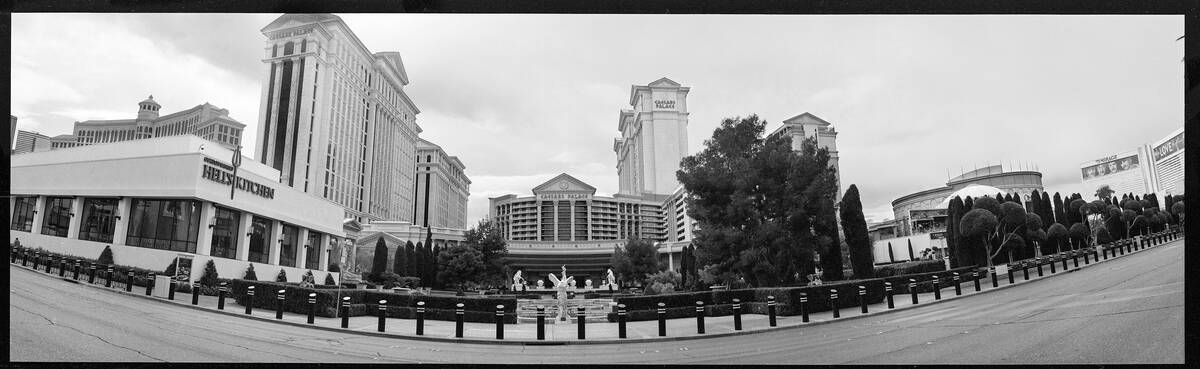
(566, 332)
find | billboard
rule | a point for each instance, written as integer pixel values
(1168, 147)
(1110, 165)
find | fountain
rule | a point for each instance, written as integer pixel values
(561, 285)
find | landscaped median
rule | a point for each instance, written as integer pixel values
(366, 302)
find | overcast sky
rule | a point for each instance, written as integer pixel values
(522, 98)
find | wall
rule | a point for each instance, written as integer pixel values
(900, 247)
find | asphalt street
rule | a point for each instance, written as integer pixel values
(1123, 311)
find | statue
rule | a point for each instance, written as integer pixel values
(541, 284)
(518, 281)
(587, 284)
(612, 279)
(307, 280)
(562, 285)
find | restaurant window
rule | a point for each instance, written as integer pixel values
(99, 220)
(57, 216)
(164, 224)
(260, 230)
(225, 233)
(313, 255)
(22, 217)
(287, 246)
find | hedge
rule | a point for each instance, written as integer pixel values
(909, 267)
(365, 302)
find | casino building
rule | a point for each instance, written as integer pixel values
(30, 141)
(157, 199)
(1153, 167)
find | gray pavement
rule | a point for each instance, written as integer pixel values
(1047, 320)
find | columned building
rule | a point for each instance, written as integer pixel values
(442, 188)
(205, 121)
(809, 126)
(335, 120)
(653, 138)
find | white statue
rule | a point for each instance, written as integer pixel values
(541, 284)
(518, 281)
(562, 284)
(612, 279)
(587, 284)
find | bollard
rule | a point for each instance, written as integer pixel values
(1010, 274)
(1063, 257)
(249, 299)
(221, 296)
(833, 297)
(699, 317)
(1105, 251)
(995, 281)
(1095, 254)
(499, 322)
(1025, 270)
(737, 315)
(662, 319)
(128, 282)
(107, 276)
(421, 318)
(621, 319)
(1039, 265)
(771, 310)
(862, 298)
(195, 294)
(382, 315)
(91, 273)
(458, 320)
(1052, 262)
(76, 270)
(24, 257)
(346, 312)
(1074, 258)
(149, 283)
(957, 285)
(975, 277)
(541, 322)
(887, 290)
(580, 321)
(1121, 248)
(912, 289)
(312, 306)
(37, 258)
(279, 296)
(1085, 257)
(171, 291)
(937, 288)
(62, 267)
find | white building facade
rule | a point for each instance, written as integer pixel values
(158, 199)
(653, 138)
(335, 120)
(205, 121)
(442, 188)
(30, 142)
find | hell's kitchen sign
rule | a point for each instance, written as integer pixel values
(223, 173)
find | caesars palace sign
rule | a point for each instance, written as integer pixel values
(557, 196)
(222, 173)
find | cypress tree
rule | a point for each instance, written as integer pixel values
(953, 216)
(891, 254)
(1035, 202)
(417, 265)
(1060, 216)
(379, 263)
(411, 259)
(910, 250)
(399, 263)
(432, 266)
(1047, 211)
(854, 226)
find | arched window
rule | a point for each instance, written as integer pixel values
(274, 50)
(287, 48)
(303, 45)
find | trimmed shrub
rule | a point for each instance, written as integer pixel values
(106, 257)
(335, 267)
(329, 280)
(170, 269)
(911, 267)
(250, 273)
(209, 279)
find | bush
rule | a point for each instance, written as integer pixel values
(282, 277)
(209, 278)
(911, 267)
(106, 257)
(335, 268)
(170, 268)
(329, 280)
(658, 287)
(250, 273)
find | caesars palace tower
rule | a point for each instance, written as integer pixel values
(653, 138)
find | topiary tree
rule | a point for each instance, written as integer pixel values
(329, 280)
(170, 271)
(411, 260)
(1177, 210)
(1060, 213)
(250, 276)
(379, 262)
(1103, 237)
(282, 277)
(106, 257)
(400, 262)
(1104, 192)
(854, 226)
(911, 256)
(980, 224)
(335, 267)
(209, 278)
(1034, 235)
(1079, 234)
(1055, 237)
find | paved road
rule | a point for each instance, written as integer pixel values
(1128, 310)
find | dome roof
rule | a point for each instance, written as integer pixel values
(972, 190)
(149, 100)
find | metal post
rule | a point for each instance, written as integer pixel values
(1121, 248)
(621, 320)
(580, 320)
(862, 298)
(737, 314)
(91, 272)
(195, 294)
(76, 270)
(541, 322)
(1074, 258)
(1039, 263)
(833, 297)
(499, 322)
(279, 296)
(346, 312)
(1063, 257)
(149, 283)
(662, 320)
(1052, 262)
(771, 310)
(1025, 270)
(937, 288)
(887, 291)
(912, 290)
(171, 291)
(107, 276)
(699, 317)
(312, 307)
(957, 285)
(421, 318)
(128, 281)
(995, 281)
(1010, 274)
(62, 267)
(24, 257)
(975, 277)
(221, 295)
(458, 320)
(249, 299)
(37, 258)
(1105, 250)
(382, 315)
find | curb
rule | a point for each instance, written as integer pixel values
(576, 342)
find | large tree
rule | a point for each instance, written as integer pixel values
(980, 224)
(954, 214)
(638, 259)
(460, 265)
(854, 225)
(488, 239)
(762, 208)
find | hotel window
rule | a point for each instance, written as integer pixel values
(287, 251)
(164, 224)
(225, 233)
(57, 216)
(22, 217)
(99, 219)
(260, 230)
(313, 255)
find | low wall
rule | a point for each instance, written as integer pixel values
(155, 259)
